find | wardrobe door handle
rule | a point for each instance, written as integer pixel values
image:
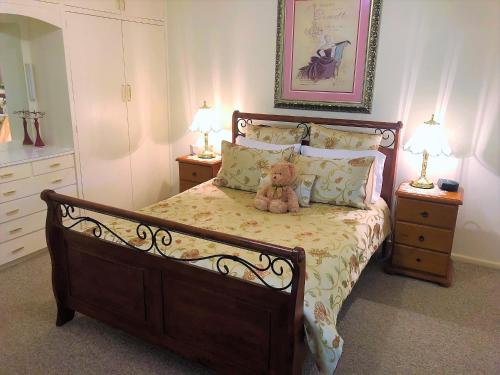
(421, 238)
(129, 93)
(6, 175)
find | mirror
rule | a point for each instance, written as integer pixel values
(12, 80)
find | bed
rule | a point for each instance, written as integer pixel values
(207, 276)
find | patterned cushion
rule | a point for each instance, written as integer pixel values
(322, 137)
(275, 134)
(303, 185)
(242, 166)
(340, 182)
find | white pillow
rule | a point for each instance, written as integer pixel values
(252, 143)
(349, 154)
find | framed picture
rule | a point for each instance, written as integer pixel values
(325, 54)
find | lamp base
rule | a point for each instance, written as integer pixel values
(206, 155)
(422, 183)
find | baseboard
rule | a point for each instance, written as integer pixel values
(481, 262)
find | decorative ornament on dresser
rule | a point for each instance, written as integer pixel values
(36, 116)
(429, 140)
(325, 54)
(24, 114)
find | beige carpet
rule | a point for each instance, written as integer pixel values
(390, 324)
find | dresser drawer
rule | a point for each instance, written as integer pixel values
(24, 225)
(195, 173)
(15, 172)
(25, 206)
(53, 164)
(34, 185)
(424, 236)
(427, 213)
(22, 246)
(420, 260)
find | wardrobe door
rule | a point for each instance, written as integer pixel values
(97, 72)
(109, 6)
(145, 71)
(147, 9)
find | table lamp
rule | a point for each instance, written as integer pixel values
(429, 140)
(204, 121)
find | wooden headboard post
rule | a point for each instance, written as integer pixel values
(389, 131)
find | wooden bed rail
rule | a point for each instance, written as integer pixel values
(227, 323)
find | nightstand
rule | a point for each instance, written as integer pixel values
(423, 233)
(194, 171)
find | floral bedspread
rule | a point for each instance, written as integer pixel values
(338, 242)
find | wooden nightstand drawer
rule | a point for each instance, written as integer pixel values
(185, 185)
(427, 213)
(424, 236)
(195, 173)
(421, 260)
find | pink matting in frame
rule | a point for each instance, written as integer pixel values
(326, 96)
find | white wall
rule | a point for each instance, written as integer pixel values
(434, 56)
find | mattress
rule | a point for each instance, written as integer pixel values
(338, 242)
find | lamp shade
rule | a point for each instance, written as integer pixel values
(429, 136)
(204, 120)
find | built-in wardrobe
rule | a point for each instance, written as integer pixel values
(100, 75)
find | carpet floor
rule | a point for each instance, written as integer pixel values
(390, 324)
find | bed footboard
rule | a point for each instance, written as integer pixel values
(227, 323)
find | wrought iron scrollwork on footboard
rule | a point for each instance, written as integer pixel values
(157, 239)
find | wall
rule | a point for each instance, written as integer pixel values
(434, 56)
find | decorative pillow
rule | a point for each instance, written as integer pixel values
(323, 137)
(275, 134)
(378, 167)
(252, 143)
(341, 182)
(302, 186)
(242, 166)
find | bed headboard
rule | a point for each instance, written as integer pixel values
(389, 131)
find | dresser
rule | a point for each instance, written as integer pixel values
(194, 171)
(22, 212)
(423, 233)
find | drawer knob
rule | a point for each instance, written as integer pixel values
(12, 212)
(421, 238)
(17, 250)
(194, 174)
(424, 214)
(418, 260)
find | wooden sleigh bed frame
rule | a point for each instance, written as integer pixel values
(229, 324)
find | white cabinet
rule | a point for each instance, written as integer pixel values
(22, 211)
(145, 72)
(97, 73)
(109, 6)
(120, 100)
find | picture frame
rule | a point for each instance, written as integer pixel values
(326, 53)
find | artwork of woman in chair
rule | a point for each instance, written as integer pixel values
(326, 64)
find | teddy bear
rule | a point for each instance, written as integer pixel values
(278, 195)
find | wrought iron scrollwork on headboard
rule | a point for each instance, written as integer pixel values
(157, 239)
(388, 137)
(242, 123)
